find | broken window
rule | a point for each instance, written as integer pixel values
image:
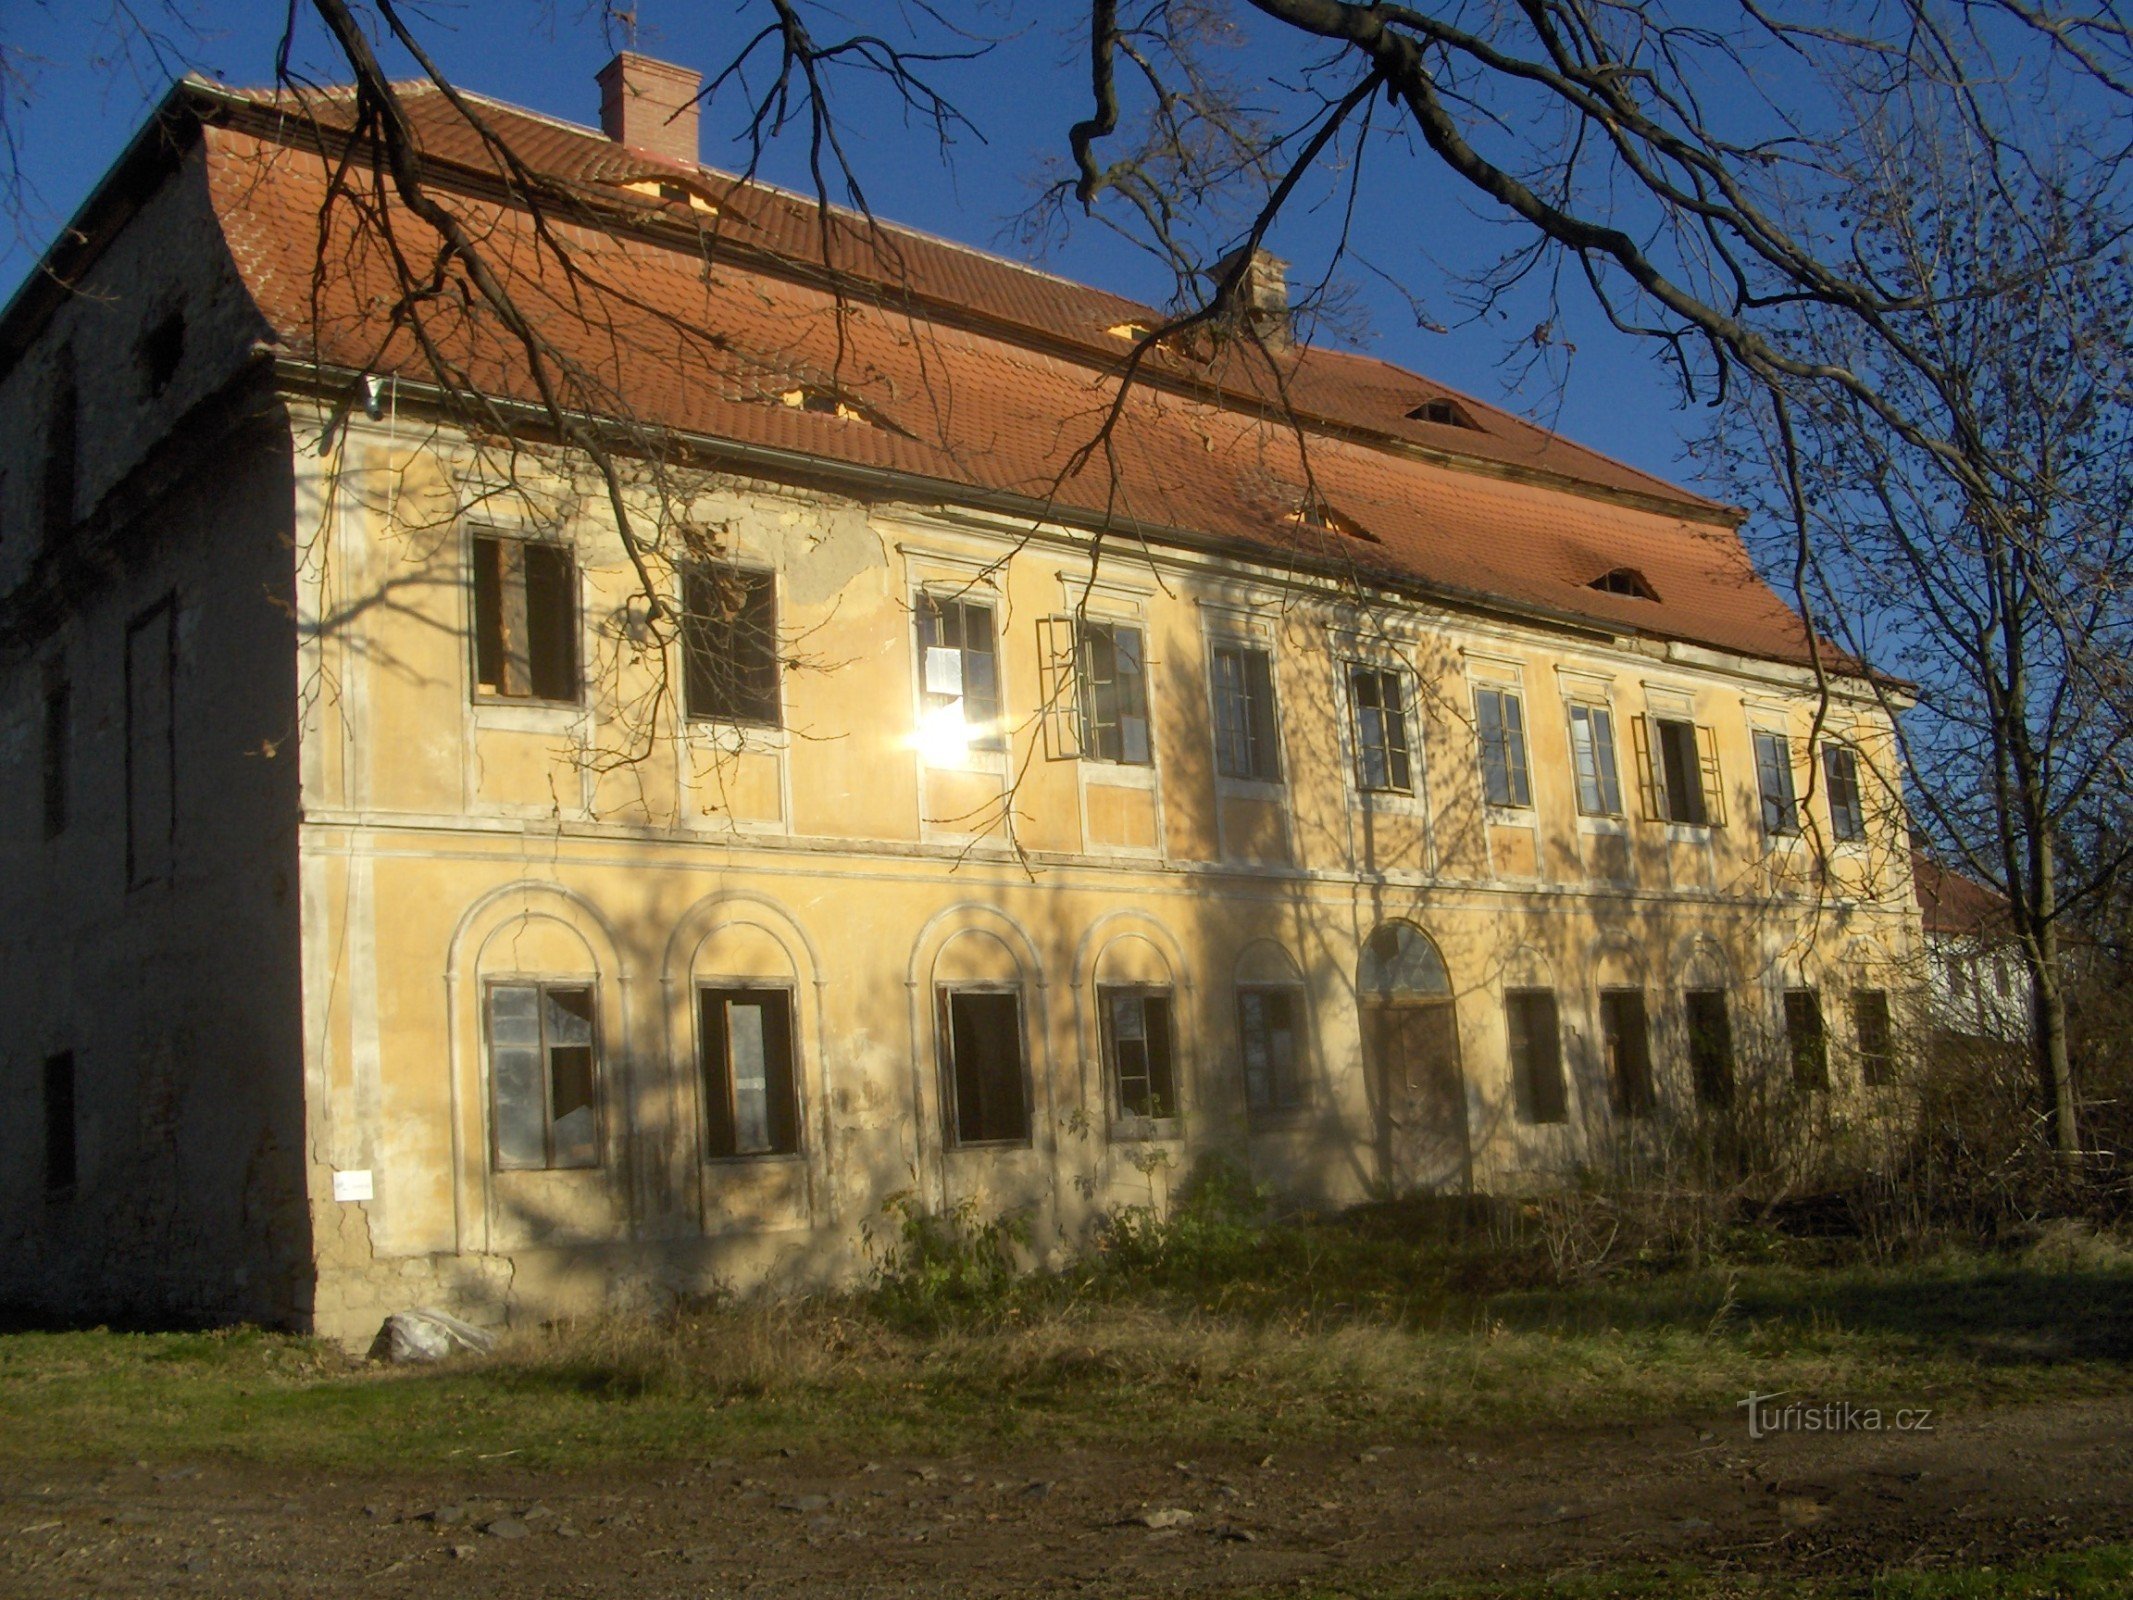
(58, 744)
(1624, 580)
(1114, 695)
(525, 619)
(1537, 1086)
(151, 742)
(1629, 1051)
(60, 1153)
(1805, 1040)
(729, 644)
(1773, 776)
(1840, 767)
(1444, 412)
(751, 1104)
(1137, 1051)
(1246, 745)
(983, 1030)
(1710, 1046)
(959, 677)
(1592, 755)
(542, 1075)
(62, 447)
(1501, 724)
(1678, 763)
(1268, 1027)
(1875, 1037)
(1380, 705)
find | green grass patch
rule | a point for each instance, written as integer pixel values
(1208, 1327)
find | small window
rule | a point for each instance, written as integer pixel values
(751, 1107)
(1536, 1055)
(58, 749)
(1840, 766)
(542, 1076)
(959, 676)
(986, 1079)
(1268, 1029)
(1773, 776)
(1805, 1040)
(1445, 413)
(1137, 1050)
(1114, 695)
(1246, 744)
(1625, 580)
(729, 641)
(1629, 1051)
(525, 619)
(160, 350)
(1502, 725)
(1678, 761)
(1592, 753)
(1876, 1038)
(151, 743)
(1710, 1047)
(1380, 705)
(61, 1156)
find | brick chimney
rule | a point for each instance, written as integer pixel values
(1262, 294)
(650, 105)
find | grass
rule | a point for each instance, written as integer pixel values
(1207, 1328)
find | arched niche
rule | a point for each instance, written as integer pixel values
(739, 934)
(538, 944)
(1525, 967)
(1263, 963)
(1616, 964)
(977, 955)
(1134, 959)
(515, 927)
(744, 951)
(1401, 962)
(1700, 962)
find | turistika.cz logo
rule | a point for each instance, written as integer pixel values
(1767, 1417)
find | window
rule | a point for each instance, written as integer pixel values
(61, 1160)
(983, 1028)
(1840, 766)
(541, 1075)
(729, 643)
(1502, 725)
(151, 743)
(1536, 1055)
(1267, 1027)
(1773, 776)
(1629, 1052)
(1246, 744)
(1710, 1046)
(959, 677)
(525, 619)
(1444, 412)
(1137, 1050)
(1625, 580)
(1592, 753)
(1678, 762)
(1114, 695)
(58, 738)
(745, 1045)
(1805, 1040)
(1380, 730)
(1876, 1039)
(62, 447)
(159, 351)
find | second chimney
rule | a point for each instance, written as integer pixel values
(1262, 293)
(650, 105)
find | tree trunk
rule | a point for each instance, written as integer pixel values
(2048, 1045)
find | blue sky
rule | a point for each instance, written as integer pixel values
(83, 87)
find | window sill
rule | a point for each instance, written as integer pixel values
(1614, 827)
(1394, 802)
(526, 716)
(1250, 788)
(1125, 774)
(987, 1146)
(739, 737)
(1146, 1130)
(765, 1158)
(982, 763)
(1510, 816)
(1690, 832)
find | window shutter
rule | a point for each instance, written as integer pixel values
(1650, 786)
(1059, 679)
(1714, 791)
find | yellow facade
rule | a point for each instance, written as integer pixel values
(855, 862)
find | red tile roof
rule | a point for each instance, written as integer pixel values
(965, 369)
(1955, 904)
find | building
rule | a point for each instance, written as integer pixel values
(397, 911)
(1976, 988)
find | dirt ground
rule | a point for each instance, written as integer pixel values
(1976, 1488)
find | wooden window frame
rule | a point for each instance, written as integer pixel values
(542, 987)
(1298, 1098)
(1531, 1106)
(941, 621)
(720, 1117)
(1249, 711)
(944, 1022)
(1398, 757)
(1506, 770)
(517, 678)
(745, 647)
(1107, 996)
(1606, 775)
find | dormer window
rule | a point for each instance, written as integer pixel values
(1624, 580)
(1314, 512)
(823, 403)
(1443, 412)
